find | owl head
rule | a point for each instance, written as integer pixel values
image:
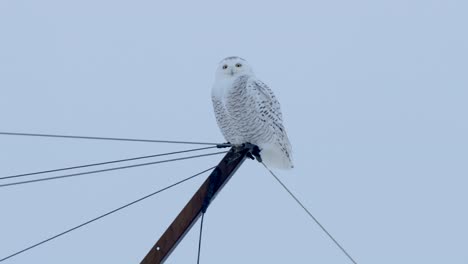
(232, 67)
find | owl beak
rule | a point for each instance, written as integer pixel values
(232, 72)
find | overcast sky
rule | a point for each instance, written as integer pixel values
(374, 96)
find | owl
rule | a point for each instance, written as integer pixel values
(247, 111)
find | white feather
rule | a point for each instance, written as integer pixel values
(247, 111)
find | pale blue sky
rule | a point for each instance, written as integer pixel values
(374, 96)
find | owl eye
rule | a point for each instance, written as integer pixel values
(238, 65)
(224, 66)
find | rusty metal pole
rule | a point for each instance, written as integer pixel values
(199, 202)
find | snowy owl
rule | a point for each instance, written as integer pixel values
(247, 111)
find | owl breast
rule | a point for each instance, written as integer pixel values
(238, 113)
(225, 122)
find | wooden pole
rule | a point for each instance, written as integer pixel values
(198, 204)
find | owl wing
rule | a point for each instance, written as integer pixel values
(266, 101)
(269, 112)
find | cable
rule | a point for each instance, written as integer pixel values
(200, 237)
(110, 169)
(310, 214)
(104, 215)
(106, 138)
(102, 163)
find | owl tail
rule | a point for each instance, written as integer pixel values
(274, 157)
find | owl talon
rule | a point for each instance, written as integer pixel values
(254, 151)
(249, 155)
